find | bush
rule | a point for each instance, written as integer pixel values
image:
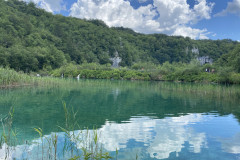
(235, 78)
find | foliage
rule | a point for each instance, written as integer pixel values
(184, 72)
(231, 60)
(96, 71)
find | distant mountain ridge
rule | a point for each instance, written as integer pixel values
(33, 39)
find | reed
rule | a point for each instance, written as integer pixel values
(88, 141)
(8, 137)
(10, 78)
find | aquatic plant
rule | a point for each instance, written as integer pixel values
(88, 141)
(8, 137)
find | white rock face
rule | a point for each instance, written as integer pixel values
(116, 60)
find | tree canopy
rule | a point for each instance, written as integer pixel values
(33, 39)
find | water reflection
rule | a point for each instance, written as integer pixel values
(151, 120)
(160, 137)
(149, 138)
(232, 144)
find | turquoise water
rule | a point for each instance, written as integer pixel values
(147, 120)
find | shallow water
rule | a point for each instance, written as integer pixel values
(150, 120)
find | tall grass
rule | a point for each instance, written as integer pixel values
(8, 137)
(88, 141)
(11, 78)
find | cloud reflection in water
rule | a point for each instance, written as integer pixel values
(150, 138)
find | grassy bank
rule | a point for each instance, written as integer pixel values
(192, 72)
(10, 78)
(178, 72)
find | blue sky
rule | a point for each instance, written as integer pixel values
(197, 19)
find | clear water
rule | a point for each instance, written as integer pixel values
(150, 120)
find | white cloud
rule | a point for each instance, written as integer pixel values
(49, 5)
(172, 17)
(203, 9)
(232, 8)
(191, 32)
(115, 13)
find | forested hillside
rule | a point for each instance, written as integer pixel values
(32, 39)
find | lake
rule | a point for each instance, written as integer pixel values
(141, 120)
